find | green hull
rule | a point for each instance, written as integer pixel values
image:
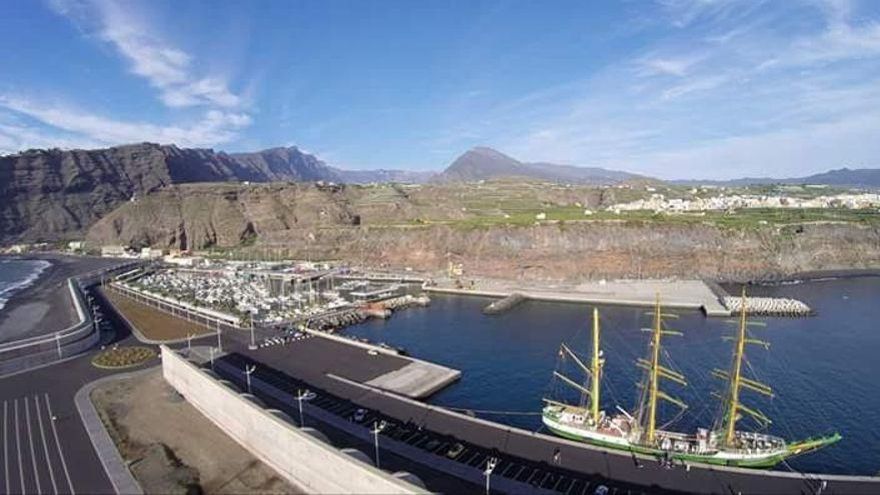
(761, 463)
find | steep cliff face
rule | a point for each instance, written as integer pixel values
(53, 194)
(600, 249)
(341, 222)
(206, 215)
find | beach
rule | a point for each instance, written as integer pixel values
(45, 306)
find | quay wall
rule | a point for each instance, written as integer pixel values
(294, 454)
(576, 456)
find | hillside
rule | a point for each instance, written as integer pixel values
(55, 194)
(483, 163)
(491, 228)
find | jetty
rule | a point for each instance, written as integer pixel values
(506, 304)
(675, 294)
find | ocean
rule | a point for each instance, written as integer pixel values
(824, 370)
(17, 274)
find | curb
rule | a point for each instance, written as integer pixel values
(115, 467)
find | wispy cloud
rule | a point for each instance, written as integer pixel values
(215, 114)
(213, 126)
(164, 66)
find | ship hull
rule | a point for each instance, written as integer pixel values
(720, 459)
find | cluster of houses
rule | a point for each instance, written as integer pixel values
(660, 203)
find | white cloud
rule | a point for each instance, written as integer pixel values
(215, 116)
(668, 66)
(166, 67)
(213, 127)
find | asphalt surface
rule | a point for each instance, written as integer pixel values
(45, 445)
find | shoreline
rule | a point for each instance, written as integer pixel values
(44, 306)
(19, 286)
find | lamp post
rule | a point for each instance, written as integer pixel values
(211, 352)
(189, 338)
(300, 395)
(377, 428)
(253, 345)
(219, 341)
(58, 343)
(490, 466)
(247, 372)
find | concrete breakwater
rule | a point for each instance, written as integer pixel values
(406, 301)
(353, 316)
(505, 304)
(777, 306)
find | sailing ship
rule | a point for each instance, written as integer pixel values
(723, 444)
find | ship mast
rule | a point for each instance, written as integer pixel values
(595, 369)
(656, 371)
(738, 381)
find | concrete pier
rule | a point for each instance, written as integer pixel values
(674, 294)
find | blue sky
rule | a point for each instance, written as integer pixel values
(670, 88)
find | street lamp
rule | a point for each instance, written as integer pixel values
(247, 372)
(300, 395)
(189, 338)
(490, 466)
(219, 341)
(211, 352)
(253, 345)
(377, 428)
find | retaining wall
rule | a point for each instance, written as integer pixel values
(295, 455)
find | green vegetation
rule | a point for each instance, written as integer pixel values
(123, 357)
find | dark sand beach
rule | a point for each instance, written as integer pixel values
(45, 306)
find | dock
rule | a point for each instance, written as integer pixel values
(379, 367)
(674, 294)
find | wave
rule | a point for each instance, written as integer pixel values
(39, 266)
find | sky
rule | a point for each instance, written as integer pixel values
(668, 88)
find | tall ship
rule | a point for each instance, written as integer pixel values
(722, 444)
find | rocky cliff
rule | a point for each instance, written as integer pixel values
(380, 226)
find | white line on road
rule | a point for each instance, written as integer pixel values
(5, 445)
(58, 444)
(45, 445)
(27, 419)
(18, 448)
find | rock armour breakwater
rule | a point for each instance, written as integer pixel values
(775, 306)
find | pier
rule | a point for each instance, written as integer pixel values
(674, 294)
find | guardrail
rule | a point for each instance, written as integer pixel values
(24, 354)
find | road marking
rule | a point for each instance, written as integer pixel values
(45, 445)
(5, 445)
(27, 417)
(18, 447)
(58, 444)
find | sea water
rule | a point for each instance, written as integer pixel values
(824, 370)
(17, 274)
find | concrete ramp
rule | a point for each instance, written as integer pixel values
(417, 380)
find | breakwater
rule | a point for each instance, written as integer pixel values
(770, 306)
(502, 305)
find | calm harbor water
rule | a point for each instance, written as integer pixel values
(825, 370)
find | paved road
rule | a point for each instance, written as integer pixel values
(45, 446)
